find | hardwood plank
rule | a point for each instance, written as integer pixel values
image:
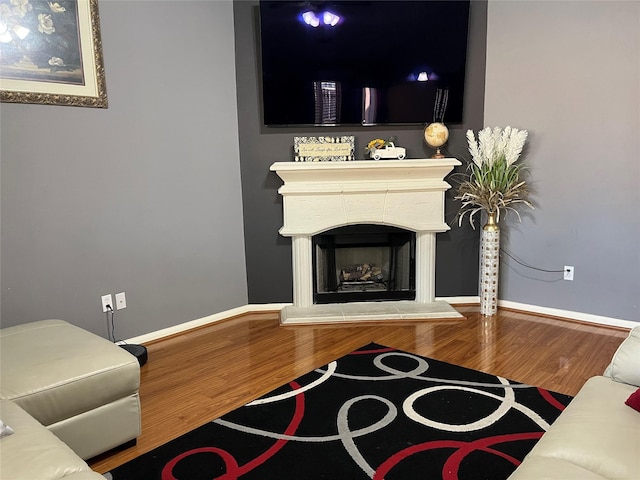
(199, 375)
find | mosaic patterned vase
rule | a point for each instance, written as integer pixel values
(489, 266)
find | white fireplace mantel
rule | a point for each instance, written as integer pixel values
(402, 193)
(318, 196)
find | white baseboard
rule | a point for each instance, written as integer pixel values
(216, 317)
(266, 307)
(556, 312)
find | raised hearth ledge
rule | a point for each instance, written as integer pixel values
(368, 312)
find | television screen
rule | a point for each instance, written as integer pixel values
(363, 62)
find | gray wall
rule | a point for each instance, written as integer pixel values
(569, 72)
(269, 254)
(143, 197)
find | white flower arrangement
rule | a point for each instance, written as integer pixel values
(494, 182)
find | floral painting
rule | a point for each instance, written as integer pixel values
(50, 52)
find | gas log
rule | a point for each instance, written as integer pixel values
(361, 273)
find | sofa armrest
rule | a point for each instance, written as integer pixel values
(596, 436)
(625, 364)
(33, 452)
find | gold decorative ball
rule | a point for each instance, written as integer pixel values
(436, 134)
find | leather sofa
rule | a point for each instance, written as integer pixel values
(33, 452)
(68, 395)
(597, 437)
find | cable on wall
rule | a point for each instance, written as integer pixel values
(502, 250)
(138, 351)
(111, 325)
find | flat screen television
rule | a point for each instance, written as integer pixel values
(368, 62)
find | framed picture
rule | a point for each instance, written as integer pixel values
(324, 149)
(51, 53)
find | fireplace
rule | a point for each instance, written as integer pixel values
(339, 198)
(364, 263)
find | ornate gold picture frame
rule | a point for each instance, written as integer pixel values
(51, 53)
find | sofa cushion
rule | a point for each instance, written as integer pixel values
(55, 370)
(542, 468)
(625, 364)
(33, 452)
(597, 432)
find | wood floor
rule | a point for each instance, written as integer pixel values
(202, 374)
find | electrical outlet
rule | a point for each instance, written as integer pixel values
(568, 272)
(121, 301)
(106, 300)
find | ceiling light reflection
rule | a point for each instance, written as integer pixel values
(310, 18)
(330, 18)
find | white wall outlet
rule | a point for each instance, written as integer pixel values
(568, 272)
(121, 301)
(106, 300)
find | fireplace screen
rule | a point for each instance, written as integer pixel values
(364, 263)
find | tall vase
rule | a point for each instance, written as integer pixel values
(489, 266)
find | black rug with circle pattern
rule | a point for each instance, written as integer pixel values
(376, 413)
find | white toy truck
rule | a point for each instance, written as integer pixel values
(388, 151)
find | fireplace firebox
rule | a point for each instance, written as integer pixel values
(364, 262)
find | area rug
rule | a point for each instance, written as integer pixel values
(377, 413)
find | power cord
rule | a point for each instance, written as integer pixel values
(138, 351)
(502, 250)
(112, 323)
